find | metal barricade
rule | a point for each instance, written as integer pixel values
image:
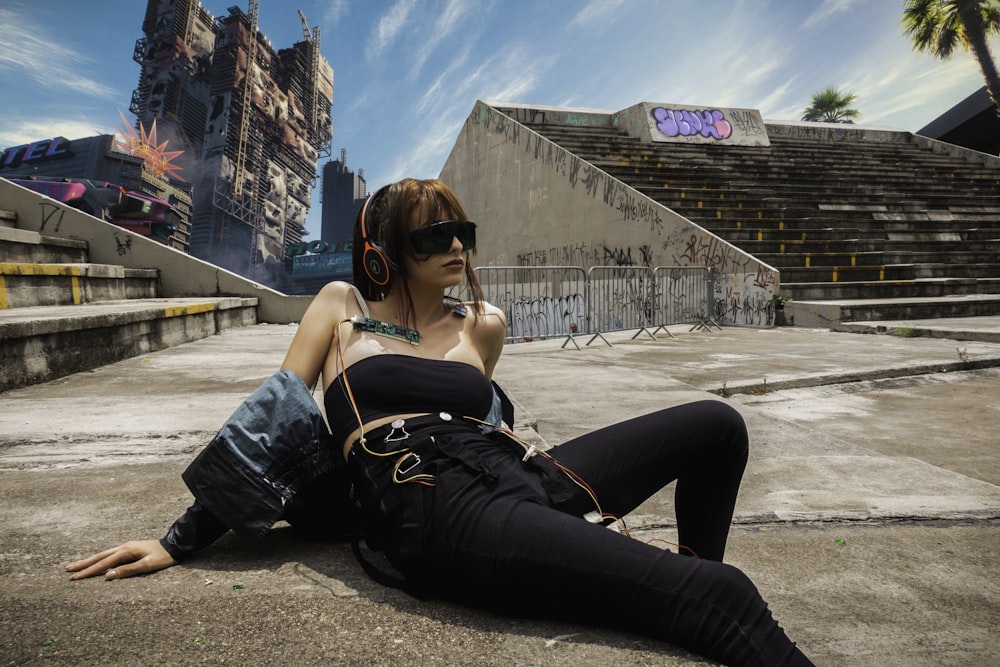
(540, 302)
(543, 302)
(620, 298)
(684, 295)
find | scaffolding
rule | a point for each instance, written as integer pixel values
(263, 122)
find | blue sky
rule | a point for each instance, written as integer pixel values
(407, 72)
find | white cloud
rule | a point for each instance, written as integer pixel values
(910, 101)
(508, 76)
(426, 158)
(596, 13)
(48, 63)
(827, 9)
(436, 92)
(445, 24)
(333, 10)
(770, 105)
(388, 27)
(25, 131)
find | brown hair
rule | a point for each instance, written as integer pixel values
(392, 213)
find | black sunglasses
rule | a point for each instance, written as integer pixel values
(436, 238)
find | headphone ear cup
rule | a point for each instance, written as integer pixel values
(376, 264)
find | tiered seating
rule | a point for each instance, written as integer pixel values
(841, 220)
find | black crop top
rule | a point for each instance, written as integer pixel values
(393, 384)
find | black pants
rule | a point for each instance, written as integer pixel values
(502, 534)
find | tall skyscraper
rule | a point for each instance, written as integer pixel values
(253, 123)
(343, 194)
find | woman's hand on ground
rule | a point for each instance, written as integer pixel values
(125, 560)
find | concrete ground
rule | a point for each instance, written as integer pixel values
(869, 516)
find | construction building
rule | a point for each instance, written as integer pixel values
(253, 123)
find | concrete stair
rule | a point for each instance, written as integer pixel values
(914, 231)
(61, 314)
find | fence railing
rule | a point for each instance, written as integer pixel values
(543, 302)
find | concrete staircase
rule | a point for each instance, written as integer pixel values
(61, 314)
(882, 229)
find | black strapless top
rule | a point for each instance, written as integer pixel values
(393, 384)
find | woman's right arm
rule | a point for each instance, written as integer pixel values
(306, 356)
(314, 337)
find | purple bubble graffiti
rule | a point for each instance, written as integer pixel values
(685, 123)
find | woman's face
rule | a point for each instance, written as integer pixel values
(445, 269)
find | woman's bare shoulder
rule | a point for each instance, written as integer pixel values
(494, 315)
(334, 297)
(338, 289)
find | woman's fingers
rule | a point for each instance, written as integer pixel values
(87, 562)
(100, 566)
(126, 560)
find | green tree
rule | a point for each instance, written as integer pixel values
(831, 106)
(938, 26)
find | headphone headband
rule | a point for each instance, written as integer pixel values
(376, 264)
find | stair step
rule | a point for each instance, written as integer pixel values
(869, 272)
(890, 289)
(40, 343)
(24, 284)
(828, 313)
(856, 257)
(8, 219)
(26, 246)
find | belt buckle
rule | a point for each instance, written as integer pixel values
(410, 467)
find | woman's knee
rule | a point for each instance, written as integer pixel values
(724, 427)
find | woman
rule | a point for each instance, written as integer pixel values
(466, 513)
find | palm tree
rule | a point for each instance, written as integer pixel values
(831, 106)
(938, 26)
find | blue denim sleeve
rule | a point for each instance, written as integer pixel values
(195, 530)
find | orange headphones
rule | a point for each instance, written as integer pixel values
(377, 264)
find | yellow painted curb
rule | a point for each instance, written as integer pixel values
(190, 309)
(23, 269)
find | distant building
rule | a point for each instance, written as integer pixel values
(343, 194)
(252, 121)
(972, 123)
(99, 159)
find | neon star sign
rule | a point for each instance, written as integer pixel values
(143, 145)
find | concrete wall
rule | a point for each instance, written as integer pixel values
(180, 274)
(832, 132)
(537, 204)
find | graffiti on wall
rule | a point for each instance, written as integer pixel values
(704, 250)
(50, 213)
(747, 123)
(817, 132)
(745, 303)
(709, 123)
(579, 254)
(546, 316)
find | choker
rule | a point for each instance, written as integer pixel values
(411, 336)
(458, 308)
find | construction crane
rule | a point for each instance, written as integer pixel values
(305, 26)
(313, 101)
